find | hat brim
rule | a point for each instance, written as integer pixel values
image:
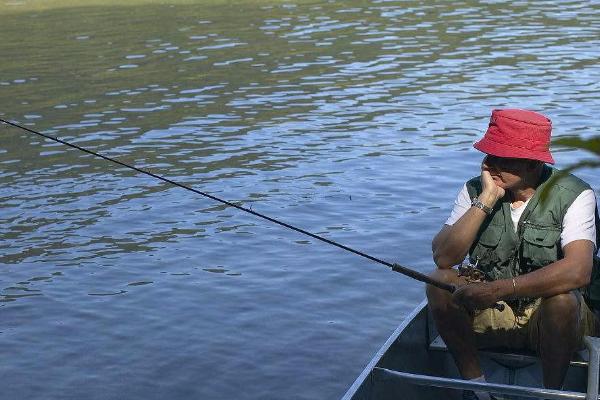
(491, 147)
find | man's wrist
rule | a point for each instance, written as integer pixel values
(504, 289)
(488, 200)
(477, 203)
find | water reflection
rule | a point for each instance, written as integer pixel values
(352, 120)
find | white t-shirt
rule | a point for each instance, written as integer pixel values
(579, 222)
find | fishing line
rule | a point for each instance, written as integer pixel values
(395, 267)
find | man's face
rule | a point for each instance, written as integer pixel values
(506, 172)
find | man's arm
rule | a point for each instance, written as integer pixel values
(571, 272)
(451, 244)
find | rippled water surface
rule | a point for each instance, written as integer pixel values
(350, 119)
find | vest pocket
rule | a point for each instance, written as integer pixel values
(491, 236)
(485, 250)
(541, 245)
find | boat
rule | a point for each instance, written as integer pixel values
(415, 364)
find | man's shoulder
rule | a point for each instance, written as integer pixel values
(474, 186)
(570, 182)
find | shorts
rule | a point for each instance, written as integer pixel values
(507, 329)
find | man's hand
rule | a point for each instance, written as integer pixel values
(476, 296)
(491, 192)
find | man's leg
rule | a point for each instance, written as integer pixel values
(558, 336)
(454, 324)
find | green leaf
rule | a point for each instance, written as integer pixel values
(592, 144)
(563, 172)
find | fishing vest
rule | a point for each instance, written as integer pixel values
(501, 253)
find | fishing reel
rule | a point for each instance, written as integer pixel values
(471, 272)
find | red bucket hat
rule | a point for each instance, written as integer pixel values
(515, 133)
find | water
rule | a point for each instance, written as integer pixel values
(353, 120)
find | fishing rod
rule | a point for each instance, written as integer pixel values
(395, 267)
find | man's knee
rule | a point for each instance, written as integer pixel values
(561, 303)
(439, 297)
(563, 308)
(448, 275)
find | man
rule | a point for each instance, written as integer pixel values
(535, 253)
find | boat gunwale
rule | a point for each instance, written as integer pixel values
(382, 350)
